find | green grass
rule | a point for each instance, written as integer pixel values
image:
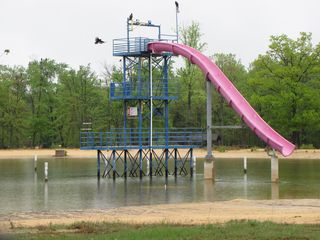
(245, 230)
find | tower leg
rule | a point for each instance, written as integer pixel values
(125, 164)
(166, 162)
(175, 163)
(114, 164)
(98, 164)
(150, 164)
(191, 162)
(140, 163)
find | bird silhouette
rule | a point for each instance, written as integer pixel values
(98, 41)
(177, 6)
(130, 17)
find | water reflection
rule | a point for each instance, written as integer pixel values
(35, 178)
(166, 190)
(274, 191)
(208, 190)
(98, 185)
(245, 186)
(73, 185)
(45, 195)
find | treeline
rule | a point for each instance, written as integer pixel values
(46, 103)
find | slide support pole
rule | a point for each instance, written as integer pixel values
(209, 160)
(274, 166)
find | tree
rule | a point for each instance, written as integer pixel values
(78, 98)
(41, 98)
(237, 74)
(192, 84)
(191, 74)
(13, 106)
(285, 83)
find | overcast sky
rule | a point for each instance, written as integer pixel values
(64, 30)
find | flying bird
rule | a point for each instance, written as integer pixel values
(130, 17)
(6, 51)
(98, 41)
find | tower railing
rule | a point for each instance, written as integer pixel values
(132, 90)
(132, 138)
(136, 45)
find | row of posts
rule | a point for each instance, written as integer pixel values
(274, 166)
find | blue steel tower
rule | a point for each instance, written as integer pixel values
(145, 145)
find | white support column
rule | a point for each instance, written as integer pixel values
(274, 166)
(209, 172)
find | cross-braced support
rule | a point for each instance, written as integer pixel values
(107, 164)
(110, 163)
(135, 164)
(159, 163)
(181, 162)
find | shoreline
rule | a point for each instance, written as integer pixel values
(199, 153)
(294, 211)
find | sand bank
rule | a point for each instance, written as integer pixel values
(303, 211)
(200, 153)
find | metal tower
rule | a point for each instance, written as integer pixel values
(146, 145)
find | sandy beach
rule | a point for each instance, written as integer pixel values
(200, 153)
(303, 211)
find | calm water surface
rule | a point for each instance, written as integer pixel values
(73, 185)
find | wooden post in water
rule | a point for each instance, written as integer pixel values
(35, 162)
(194, 163)
(46, 171)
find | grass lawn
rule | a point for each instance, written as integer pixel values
(231, 230)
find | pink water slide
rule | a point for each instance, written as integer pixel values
(229, 92)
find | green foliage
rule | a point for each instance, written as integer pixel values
(284, 85)
(307, 146)
(80, 90)
(41, 97)
(47, 103)
(237, 74)
(13, 105)
(192, 84)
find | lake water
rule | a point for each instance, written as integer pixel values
(73, 185)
